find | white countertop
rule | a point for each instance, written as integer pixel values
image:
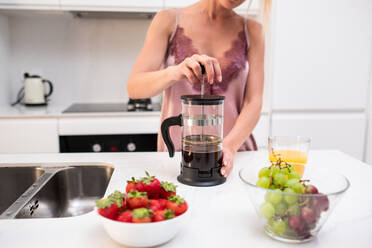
(215, 221)
(55, 111)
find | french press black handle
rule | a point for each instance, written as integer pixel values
(167, 123)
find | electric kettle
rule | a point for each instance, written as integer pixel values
(33, 93)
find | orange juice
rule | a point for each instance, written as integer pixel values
(297, 158)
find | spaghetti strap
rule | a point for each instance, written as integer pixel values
(175, 25)
(246, 31)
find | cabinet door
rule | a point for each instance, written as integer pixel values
(345, 132)
(322, 53)
(28, 135)
(28, 4)
(113, 5)
(261, 131)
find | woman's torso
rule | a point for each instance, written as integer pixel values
(234, 67)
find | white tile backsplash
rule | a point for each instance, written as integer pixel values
(4, 48)
(88, 60)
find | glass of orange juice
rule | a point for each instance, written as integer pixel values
(289, 149)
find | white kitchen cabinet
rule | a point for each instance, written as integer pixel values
(321, 60)
(342, 131)
(261, 131)
(113, 5)
(29, 4)
(28, 135)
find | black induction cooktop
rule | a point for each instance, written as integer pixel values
(103, 108)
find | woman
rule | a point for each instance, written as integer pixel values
(231, 49)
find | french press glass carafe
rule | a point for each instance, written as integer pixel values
(202, 133)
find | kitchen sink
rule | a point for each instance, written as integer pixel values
(14, 181)
(60, 192)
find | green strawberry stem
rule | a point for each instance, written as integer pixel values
(142, 213)
(177, 199)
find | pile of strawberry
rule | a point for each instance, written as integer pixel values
(146, 200)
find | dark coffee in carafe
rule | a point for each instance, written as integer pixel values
(203, 152)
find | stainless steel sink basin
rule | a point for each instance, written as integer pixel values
(61, 192)
(14, 181)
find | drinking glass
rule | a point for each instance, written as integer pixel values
(289, 149)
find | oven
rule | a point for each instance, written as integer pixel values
(108, 143)
(110, 127)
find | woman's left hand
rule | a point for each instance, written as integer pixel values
(227, 160)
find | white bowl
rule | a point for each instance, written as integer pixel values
(144, 234)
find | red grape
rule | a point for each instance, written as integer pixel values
(295, 223)
(320, 203)
(308, 215)
(311, 189)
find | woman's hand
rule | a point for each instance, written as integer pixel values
(227, 160)
(190, 69)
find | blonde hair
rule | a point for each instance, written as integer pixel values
(266, 12)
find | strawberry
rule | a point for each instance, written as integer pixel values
(134, 184)
(125, 216)
(142, 215)
(151, 185)
(156, 204)
(107, 208)
(163, 203)
(137, 199)
(167, 189)
(119, 199)
(177, 204)
(161, 215)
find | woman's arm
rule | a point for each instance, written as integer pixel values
(251, 110)
(148, 80)
(149, 61)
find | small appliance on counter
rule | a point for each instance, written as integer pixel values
(33, 91)
(202, 127)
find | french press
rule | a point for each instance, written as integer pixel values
(202, 133)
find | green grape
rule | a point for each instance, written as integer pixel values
(274, 197)
(274, 170)
(294, 209)
(298, 188)
(267, 210)
(290, 168)
(293, 174)
(278, 227)
(290, 199)
(292, 181)
(280, 179)
(273, 186)
(264, 172)
(280, 208)
(263, 182)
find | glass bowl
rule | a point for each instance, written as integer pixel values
(291, 217)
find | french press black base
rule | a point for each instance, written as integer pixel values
(198, 178)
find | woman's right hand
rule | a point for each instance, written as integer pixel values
(190, 69)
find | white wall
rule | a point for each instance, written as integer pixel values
(4, 48)
(368, 150)
(88, 60)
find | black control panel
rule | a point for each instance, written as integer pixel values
(108, 143)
